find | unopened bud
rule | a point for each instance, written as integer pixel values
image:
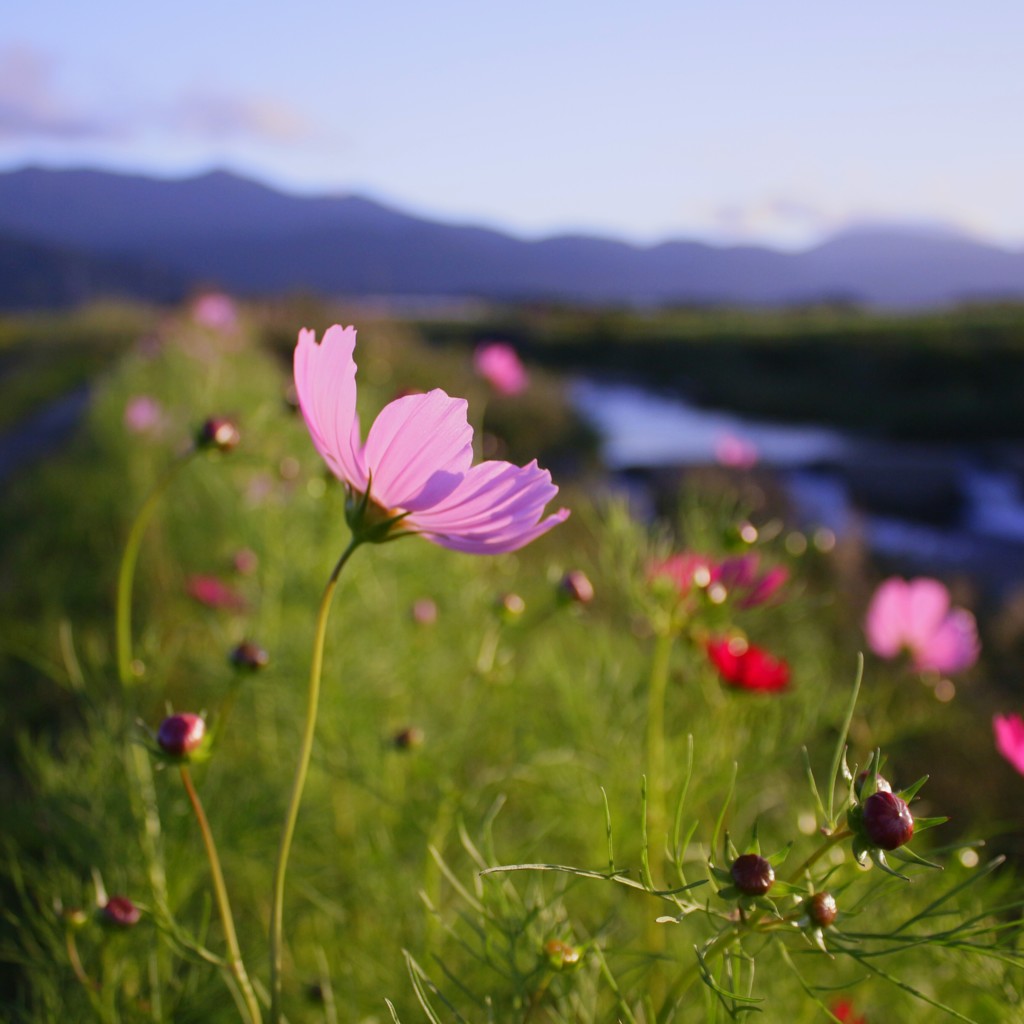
(120, 911)
(180, 735)
(219, 433)
(249, 656)
(408, 738)
(576, 588)
(821, 909)
(752, 874)
(886, 820)
(560, 955)
(511, 606)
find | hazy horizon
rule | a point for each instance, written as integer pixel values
(732, 124)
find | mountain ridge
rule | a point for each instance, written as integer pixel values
(221, 229)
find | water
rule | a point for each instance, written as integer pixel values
(935, 509)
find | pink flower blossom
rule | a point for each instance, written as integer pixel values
(735, 452)
(915, 616)
(214, 593)
(216, 311)
(417, 460)
(499, 365)
(143, 414)
(741, 576)
(1009, 730)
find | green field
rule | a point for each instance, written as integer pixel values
(596, 738)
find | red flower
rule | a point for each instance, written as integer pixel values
(843, 1009)
(748, 667)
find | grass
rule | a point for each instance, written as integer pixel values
(533, 742)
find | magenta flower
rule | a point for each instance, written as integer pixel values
(142, 414)
(499, 365)
(214, 593)
(1009, 730)
(415, 471)
(915, 616)
(735, 452)
(217, 312)
(741, 576)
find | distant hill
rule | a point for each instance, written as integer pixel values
(156, 238)
(36, 275)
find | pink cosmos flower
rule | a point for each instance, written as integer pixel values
(741, 576)
(1009, 730)
(214, 593)
(142, 414)
(915, 616)
(499, 365)
(417, 460)
(216, 311)
(735, 452)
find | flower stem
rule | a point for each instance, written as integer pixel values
(292, 812)
(656, 687)
(126, 574)
(223, 905)
(830, 841)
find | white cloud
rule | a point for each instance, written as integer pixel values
(30, 107)
(33, 108)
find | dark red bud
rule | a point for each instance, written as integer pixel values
(752, 874)
(887, 821)
(218, 433)
(250, 656)
(576, 587)
(180, 735)
(121, 911)
(408, 738)
(821, 909)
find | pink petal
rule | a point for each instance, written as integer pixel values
(496, 508)
(1009, 732)
(885, 624)
(418, 450)
(325, 380)
(953, 646)
(926, 610)
(499, 365)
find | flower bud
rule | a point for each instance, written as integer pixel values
(752, 874)
(510, 607)
(408, 738)
(821, 909)
(886, 820)
(560, 955)
(180, 735)
(219, 433)
(120, 911)
(75, 918)
(575, 588)
(249, 656)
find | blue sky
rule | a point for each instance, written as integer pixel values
(736, 120)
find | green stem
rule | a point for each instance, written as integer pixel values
(126, 574)
(835, 837)
(292, 812)
(656, 688)
(223, 905)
